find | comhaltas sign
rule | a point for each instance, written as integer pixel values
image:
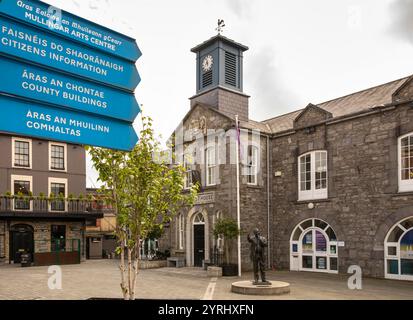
(65, 78)
(37, 120)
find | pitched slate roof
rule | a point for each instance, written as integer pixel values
(349, 104)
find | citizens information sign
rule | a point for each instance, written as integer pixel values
(65, 78)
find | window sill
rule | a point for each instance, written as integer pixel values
(254, 186)
(57, 170)
(313, 201)
(402, 194)
(22, 168)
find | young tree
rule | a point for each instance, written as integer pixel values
(145, 195)
(226, 228)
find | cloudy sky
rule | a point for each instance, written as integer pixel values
(301, 51)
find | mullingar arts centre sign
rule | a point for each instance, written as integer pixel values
(66, 78)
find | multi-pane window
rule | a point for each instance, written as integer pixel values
(181, 230)
(59, 191)
(188, 171)
(57, 157)
(22, 192)
(21, 154)
(406, 163)
(305, 172)
(210, 166)
(320, 170)
(312, 169)
(252, 165)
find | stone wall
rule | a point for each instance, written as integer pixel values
(363, 200)
(42, 235)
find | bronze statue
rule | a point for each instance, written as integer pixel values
(258, 244)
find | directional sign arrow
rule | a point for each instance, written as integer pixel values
(37, 120)
(37, 83)
(20, 41)
(38, 13)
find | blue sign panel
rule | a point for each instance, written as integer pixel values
(41, 47)
(37, 120)
(42, 15)
(37, 83)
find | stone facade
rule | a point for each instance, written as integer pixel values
(363, 200)
(348, 223)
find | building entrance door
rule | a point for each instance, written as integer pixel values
(199, 244)
(21, 241)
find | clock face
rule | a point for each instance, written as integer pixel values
(207, 63)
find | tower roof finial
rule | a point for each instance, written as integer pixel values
(221, 25)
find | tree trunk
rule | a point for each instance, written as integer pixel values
(122, 273)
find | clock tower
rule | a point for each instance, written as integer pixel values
(219, 76)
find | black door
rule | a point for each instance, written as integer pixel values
(199, 244)
(21, 241)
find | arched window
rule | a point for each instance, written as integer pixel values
(313, 247)
(312, 175)
(405, 147)
(398, 253)
(199, 219)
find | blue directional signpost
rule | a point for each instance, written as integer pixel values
(65, 78)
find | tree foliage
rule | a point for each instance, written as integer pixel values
(146, 194)
(226, 228)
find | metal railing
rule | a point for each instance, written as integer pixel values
(217, 257)
(35, 204)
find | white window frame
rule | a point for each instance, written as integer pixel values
(61, 181)
(313, 193)
(404, 185)
(254, 166)
(181, 231)
(188, 183)
(64, 145)
(297, 257)
(211, 167)
(13, 156)
(21, 178)
(397, 257)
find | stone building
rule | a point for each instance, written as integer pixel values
(330, 185)
(40, 209)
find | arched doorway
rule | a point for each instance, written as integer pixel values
(398, 253)
(199, 239)
(21, 241)
(313, 247)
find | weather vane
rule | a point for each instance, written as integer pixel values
(221, 25)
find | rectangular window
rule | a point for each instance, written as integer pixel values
(210, 166)
(22, 192)
(21, 153)
(58, 192)
(58, 238)
(188, 172)
(406, 163)
(181, 230)
(252, 165)
(312, 169)
(57, 158)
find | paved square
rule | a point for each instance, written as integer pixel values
(101, 279)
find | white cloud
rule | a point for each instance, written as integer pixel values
(402, 19)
